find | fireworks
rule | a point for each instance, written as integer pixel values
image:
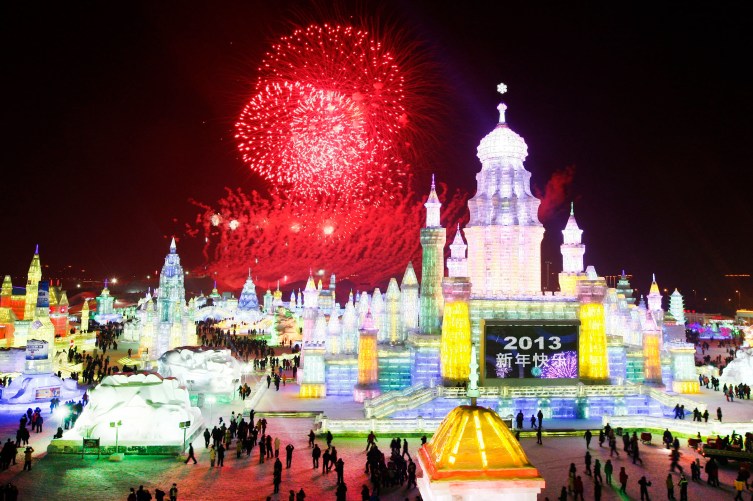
(329, 115)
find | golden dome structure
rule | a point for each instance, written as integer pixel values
(474, 443)
(473, 455)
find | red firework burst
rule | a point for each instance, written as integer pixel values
(329, 115)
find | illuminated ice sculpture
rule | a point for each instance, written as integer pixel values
(433, 237)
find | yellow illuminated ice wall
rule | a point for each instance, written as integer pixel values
(652, 356)
(593, 358)
(368, 362)
(455, 346)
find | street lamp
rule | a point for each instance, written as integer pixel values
(738, 299)
(116, 425)
(184, 425)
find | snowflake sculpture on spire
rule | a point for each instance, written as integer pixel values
(501, 88)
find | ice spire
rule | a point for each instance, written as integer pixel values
(433, 206)
(173, 247)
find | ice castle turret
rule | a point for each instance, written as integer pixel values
(676, 307)
(433, 238)
(172, 291)
(248, 302)
(504, 233)
(349, 338)
(409, 303)
(624, 288)
(457, 265)
(654, 296)
(310, 304)
(32, 285)
(392, 335)
(572, 255)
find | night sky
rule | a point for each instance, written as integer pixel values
(115, 115)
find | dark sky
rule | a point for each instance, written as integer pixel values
(116, 114)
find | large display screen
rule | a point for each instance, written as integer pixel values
(529, 350)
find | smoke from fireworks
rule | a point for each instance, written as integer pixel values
(270, 237)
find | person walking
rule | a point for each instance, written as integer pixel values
(221, 455)
(671, 487)
(277, 475)
(538, 436)
(212, 455)
(613, 446)
(27, 458)
(540, 417)
(315, 455)
(370, 441)
(571, 478)
(277, 447)
(588, 463)
(623, 479)
(597, 491)
(340, 469)
(578, 489)
(207, 436)
(365, 494)
(636, 453)
(340, 493)
(312, 437)
(683, 483)
(288, 455)
(597, 471)
(190, 454)
(645, 484)
(608, 468)
(588, 435)
(411, 474)
(174, 492)
(719, 414)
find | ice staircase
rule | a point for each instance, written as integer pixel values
(395, 401)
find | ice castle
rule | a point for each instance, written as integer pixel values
(421, 334)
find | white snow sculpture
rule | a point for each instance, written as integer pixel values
(202, 370)
(149, 408)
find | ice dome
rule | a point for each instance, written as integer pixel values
(502, 142)
(473, 443)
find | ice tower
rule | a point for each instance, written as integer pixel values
(572, 255)
(32, 285)
(172, 292)
(409, 302)
(432, 265)
(504, 233)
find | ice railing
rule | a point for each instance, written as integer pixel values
(686, 426)
(389, 427)
(668, 400)
(417, 395)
